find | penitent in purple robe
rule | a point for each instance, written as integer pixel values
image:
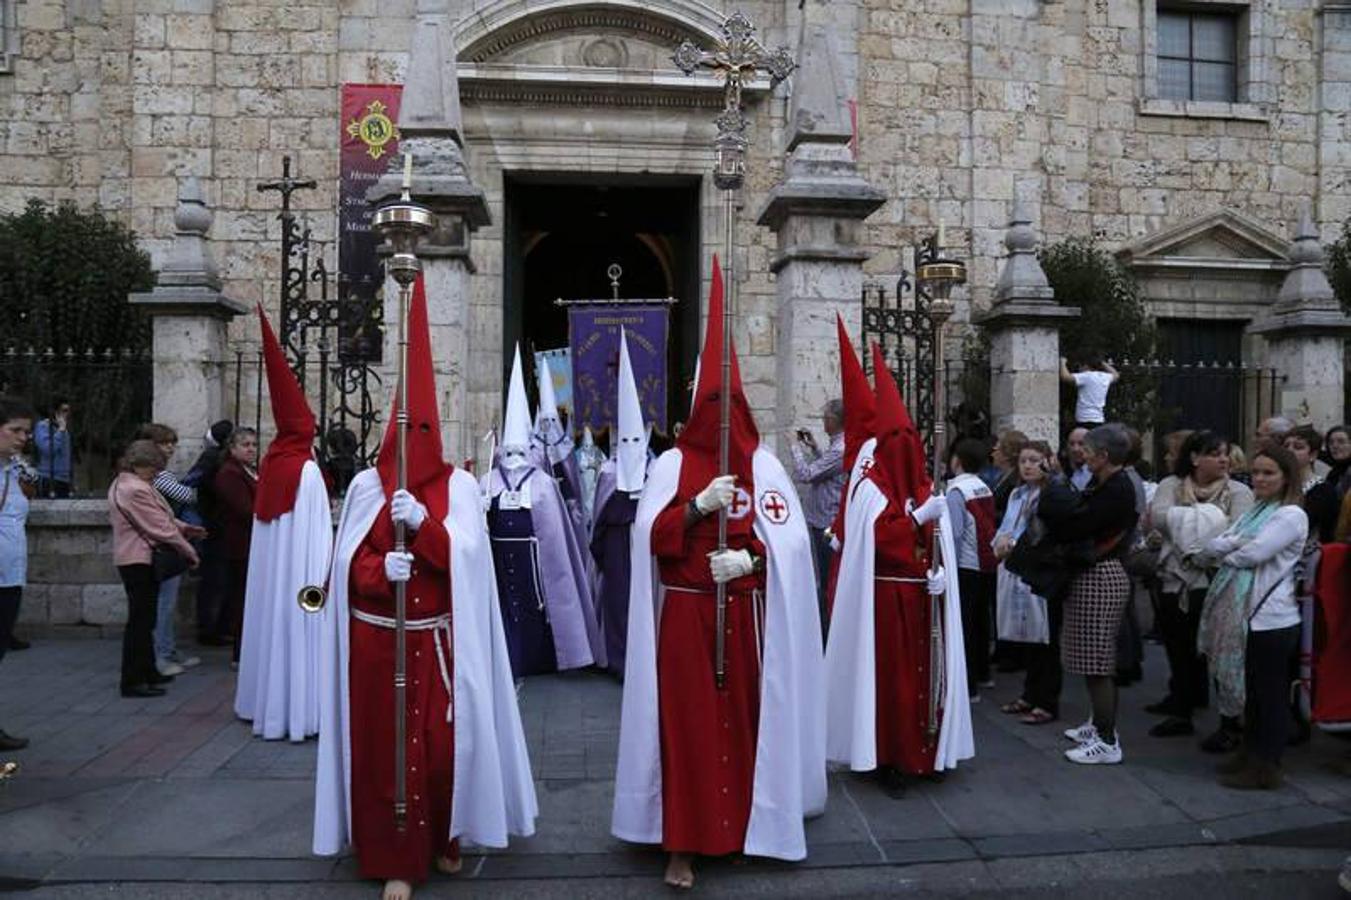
(536, 555)
(612, 522)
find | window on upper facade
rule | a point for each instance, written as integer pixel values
(1198, 55)
(9, 35)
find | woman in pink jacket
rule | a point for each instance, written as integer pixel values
(141, 519)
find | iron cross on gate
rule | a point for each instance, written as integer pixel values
(287, 185)
(738, 58)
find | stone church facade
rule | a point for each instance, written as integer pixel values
(1190, 137)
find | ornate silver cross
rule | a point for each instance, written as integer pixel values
(738, 58)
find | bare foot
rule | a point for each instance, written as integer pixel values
(680, 871)
(397, 890)
(448, 866)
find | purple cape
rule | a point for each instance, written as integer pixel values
(563, 573)
(612, 525)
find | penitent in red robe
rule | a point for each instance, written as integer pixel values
(707, 736)
(382, 851)
(901, 632)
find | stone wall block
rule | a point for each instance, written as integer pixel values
(189, 32)
(103, 604)
(33, 607)
(65, 605)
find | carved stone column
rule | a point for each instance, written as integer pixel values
(1024, 326)
(1306, 334)
(429, 121)
(190, 320)
(817, 211)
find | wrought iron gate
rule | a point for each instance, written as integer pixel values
(336, 339)
(901, 324)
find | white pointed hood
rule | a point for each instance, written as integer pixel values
(549, 432)
(630, 446)
(516, 420)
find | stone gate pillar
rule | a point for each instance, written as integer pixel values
(1306, 335)
(190, 319)
(430, 125)
(817, 212)
(1024, 326)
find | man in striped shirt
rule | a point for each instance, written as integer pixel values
(822, 473)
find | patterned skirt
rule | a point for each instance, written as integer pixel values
(1093, 610)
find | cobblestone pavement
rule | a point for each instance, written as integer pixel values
(174, 789)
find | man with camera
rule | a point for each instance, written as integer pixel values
(823, 475)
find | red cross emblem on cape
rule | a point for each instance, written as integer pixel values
(740, 505)
(774, 507)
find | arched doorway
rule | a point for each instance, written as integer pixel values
(563, 232)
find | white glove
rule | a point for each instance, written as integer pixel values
(927, 511)
(403, 507)
(717, 495)
(398, 566)
(938, 581)
(729, 565)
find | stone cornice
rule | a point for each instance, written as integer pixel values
(579, 86)
(1324, 323)
(188, 300)
(1027, 311)
(832, 198)
(829, 253)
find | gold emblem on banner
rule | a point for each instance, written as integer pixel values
(374, 129)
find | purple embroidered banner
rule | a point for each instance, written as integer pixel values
(593, 336)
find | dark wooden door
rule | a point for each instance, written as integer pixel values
(1201, 383)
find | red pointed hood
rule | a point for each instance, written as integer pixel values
(860, 407)
(428, 472)
(900, 452)
(279, 473)
(699, 438)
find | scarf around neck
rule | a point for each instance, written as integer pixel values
(1223, 635)
(1190, 493)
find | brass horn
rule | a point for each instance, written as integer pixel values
(312, 598)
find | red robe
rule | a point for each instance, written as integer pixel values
(707, 736)
(901, 635)
(382, 851)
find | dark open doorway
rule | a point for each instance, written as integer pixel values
(562, 232)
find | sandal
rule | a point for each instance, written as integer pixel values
(1038, 716)
(1016, 707)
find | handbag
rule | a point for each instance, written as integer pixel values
(1020, 614)
(165, 561)
(1044, 565)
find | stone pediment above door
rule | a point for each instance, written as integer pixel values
(1221, 266)
(1221, 240)
(613, 52)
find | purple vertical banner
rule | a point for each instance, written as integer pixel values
(593, 336)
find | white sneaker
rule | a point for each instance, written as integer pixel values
(1095, 753)
(168, 667)
(1083, 734)
(186, 662)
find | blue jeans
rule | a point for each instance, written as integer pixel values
(165, 646)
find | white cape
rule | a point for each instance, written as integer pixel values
(851, 727)
(277, 687)
(789, 782)
(494, 795)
